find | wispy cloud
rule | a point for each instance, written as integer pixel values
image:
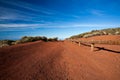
(97, 12)
(14, 14)
(30, 25)
(34, 14)
(21, 10)
(94, 25)
(78, 25)
(29, 6)
(38, 16)
(20, 25)
(50, 25)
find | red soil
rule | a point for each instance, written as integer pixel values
(59, 61)
(103, 37)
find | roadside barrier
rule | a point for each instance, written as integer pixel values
(91, 43)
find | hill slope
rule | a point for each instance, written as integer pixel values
(103, 38)
(109, 31)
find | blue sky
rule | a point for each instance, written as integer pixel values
(56, 18)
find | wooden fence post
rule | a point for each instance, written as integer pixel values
(92, 46)
(79, 43)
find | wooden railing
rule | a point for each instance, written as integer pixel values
(111, 42)
(92, 43)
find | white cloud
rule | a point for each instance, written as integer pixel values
(29, 6)
(54, 25)
(14, 14)
(97, 12)
(43, 12)
(20, 25)
(77, 25)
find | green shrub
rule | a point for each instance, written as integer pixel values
(32, 39)
(6, 43)
(44, 38)
(53, 39)
(25, 39)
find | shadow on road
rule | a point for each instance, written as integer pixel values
(102, 48)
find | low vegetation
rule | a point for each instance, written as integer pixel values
(6, 43)
(109, 31)
(26, 39)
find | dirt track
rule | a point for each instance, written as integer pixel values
(59, 61)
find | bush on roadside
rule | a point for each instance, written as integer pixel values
(6, 43)
(32, 39)
(53, 39)
(26, 39)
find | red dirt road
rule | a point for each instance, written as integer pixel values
(59, 61)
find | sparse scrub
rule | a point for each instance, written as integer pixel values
(44, 38)
(53, 39)
(6, 43)
(17, 42)
(32, 39)
(109, 31)
(26, 39)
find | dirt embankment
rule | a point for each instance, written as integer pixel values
(103, 38)
(59, 61)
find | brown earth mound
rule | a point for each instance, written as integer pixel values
(59, 61)
(104, 38)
